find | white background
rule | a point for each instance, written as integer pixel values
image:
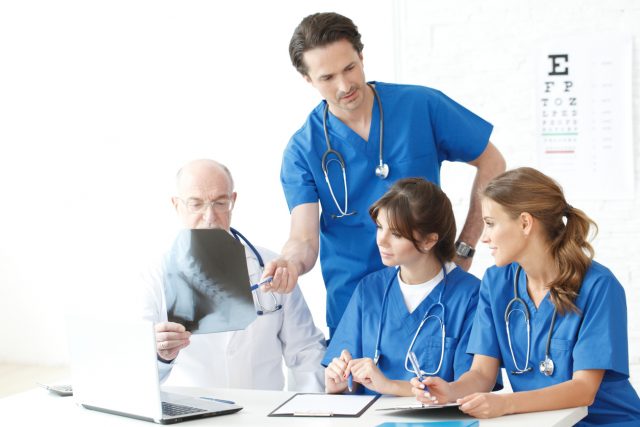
(102, 102)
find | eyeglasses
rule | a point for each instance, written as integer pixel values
(197, 206)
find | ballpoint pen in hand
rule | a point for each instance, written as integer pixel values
(264, 282)
(416, 366)
(350, 383)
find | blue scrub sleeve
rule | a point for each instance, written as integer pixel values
(462, 360)
(483, 339)
(460, 134)
(604, 327)
(296, 177)
(348, 335)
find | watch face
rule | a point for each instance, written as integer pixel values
(464, 250)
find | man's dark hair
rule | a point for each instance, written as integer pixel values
(318, 30)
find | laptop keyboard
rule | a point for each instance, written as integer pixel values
(172, 410)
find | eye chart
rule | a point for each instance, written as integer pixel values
(584, 115)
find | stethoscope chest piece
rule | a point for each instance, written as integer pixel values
(382, 171)
(547, 366)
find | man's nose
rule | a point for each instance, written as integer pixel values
(344, 85)
(209, 215)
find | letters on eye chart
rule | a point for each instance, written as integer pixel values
(583, 121)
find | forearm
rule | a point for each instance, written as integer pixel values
(489, 165)
(398, 388)
(472, 228)
(302, 253)
(568, 394)
(472, 382)
(301, 249)
(303, 357)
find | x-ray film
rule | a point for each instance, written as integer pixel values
(207, 284)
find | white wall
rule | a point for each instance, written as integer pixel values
(100, 103)
(481, 54)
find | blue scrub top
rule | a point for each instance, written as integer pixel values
(358, 329)
(422, 127)
(594, 339)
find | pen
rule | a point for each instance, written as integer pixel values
(231, 402)
(350, 383)
(416, 366)
(264, 282)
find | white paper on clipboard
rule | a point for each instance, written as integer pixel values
(325, 405)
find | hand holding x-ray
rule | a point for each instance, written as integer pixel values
(170, 339)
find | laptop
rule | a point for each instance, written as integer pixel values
(114, 370)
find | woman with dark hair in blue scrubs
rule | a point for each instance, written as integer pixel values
(551, 316)
(421, 304)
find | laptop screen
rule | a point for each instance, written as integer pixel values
(114, 369)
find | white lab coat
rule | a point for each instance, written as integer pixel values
(251, 358)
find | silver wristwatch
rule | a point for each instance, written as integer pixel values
(463, 250)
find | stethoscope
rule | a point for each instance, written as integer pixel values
(382, 170)
(261, 309)
(377, 355)
(546, 366)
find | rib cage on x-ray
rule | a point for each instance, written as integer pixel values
(207, 284)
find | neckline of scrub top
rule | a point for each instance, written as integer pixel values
(545, 303)
(337, 128)
(412, 320)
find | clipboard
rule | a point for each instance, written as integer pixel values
(324, 405)
(418, 406)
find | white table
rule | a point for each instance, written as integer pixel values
(38, 407)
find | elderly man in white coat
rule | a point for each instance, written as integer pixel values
(250, 358)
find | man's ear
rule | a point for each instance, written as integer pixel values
(174, 202)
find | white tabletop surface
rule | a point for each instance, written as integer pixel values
(39, 407)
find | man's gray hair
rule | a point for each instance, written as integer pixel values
(213, 162)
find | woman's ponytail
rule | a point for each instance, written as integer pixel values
(528, 190)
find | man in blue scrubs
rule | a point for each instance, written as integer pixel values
(410, 129)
